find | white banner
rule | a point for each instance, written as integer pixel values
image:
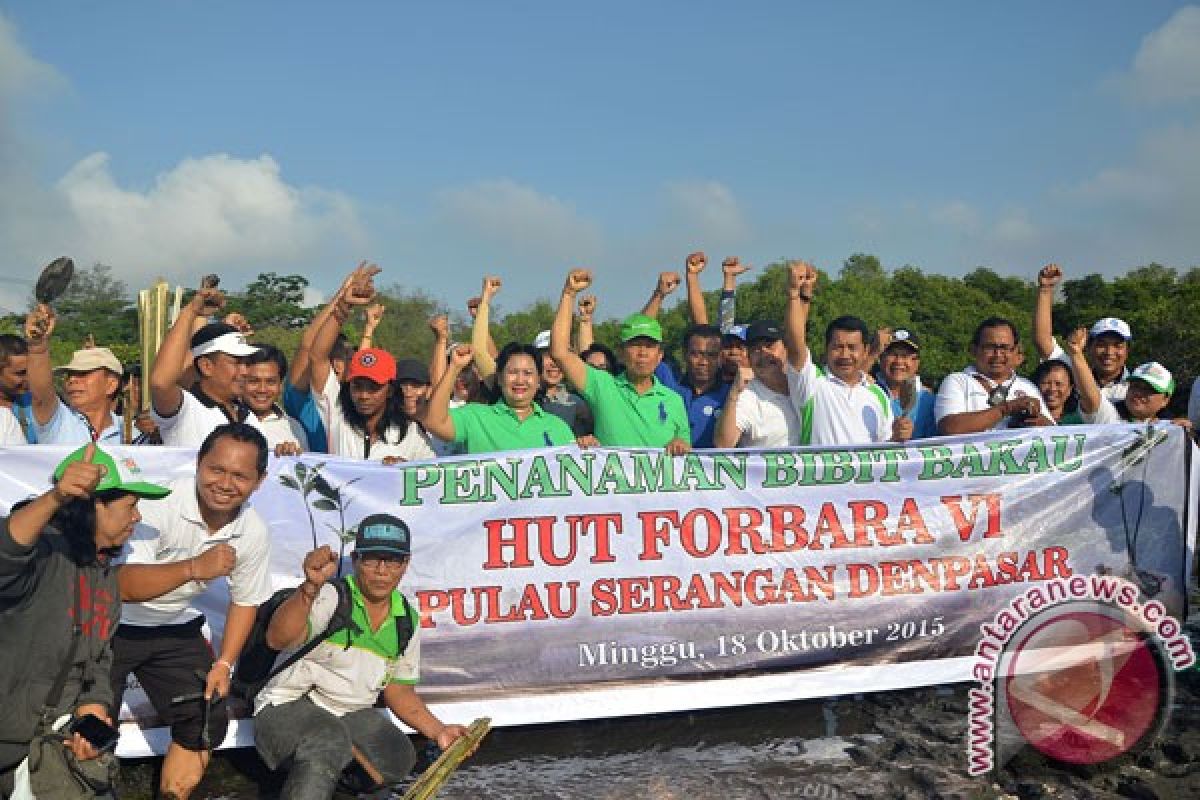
(565, 584)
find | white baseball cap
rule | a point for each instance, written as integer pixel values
(1111, 325)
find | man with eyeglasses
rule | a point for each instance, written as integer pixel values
(319, 713)
(990, 395)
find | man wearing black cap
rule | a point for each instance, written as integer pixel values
(319, 711)
(759, 412)
(899, 363)
(186, 417)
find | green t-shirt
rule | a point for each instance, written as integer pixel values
(484, 428)
(1071, 418)
(626, 419)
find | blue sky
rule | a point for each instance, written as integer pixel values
(449, 140)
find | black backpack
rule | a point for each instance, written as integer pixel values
(256, 665)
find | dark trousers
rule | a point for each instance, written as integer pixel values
(317, 745)
(170, 661)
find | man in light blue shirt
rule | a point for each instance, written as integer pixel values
(91, 386)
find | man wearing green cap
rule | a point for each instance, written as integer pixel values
(630, 410)
(59, 600)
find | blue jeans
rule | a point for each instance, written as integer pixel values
(317, 745)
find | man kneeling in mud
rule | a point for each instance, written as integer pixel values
(319, 714)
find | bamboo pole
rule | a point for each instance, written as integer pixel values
(432, 780)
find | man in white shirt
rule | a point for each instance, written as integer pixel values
(1107, 350)
(265, 370)
(759, 411)
(990, 395)
(186, 417)
(203, 531)
(15, 421)
(837, 404)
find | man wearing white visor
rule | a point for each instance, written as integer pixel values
(1107, 349)
(219, 352)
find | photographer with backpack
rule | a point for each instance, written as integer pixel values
(317, 715)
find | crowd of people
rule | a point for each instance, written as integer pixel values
(140, 554)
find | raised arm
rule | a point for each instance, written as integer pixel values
(694, 265)
(1043, 317)
(439, 324)
(39, 325)
(727, 433)
(299, 371)
(437, 415)
(372, 316)
(481, 331)
(78, 481)
(586, 336)
(289, 624)
(165, 393)
(573, 367)
(357, 290)
(1085, 381)
(802, 283)
(667, 283)
(727, 305)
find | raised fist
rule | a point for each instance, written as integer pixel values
(373, 315)
(578, 280)
(696, 262)
(440, 326)
(491, 285)
(207, 301)
(320, 565)
(473, 306)
(1049, 276)
(802, 279)
(461, 355)
(239, 321)
(668, 282)
(731, 266)
(587, 306)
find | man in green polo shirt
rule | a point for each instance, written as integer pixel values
(318, 715)
(513, 422)
(630, 410)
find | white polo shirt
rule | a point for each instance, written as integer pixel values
(343, 679)
(278, 427)
(969, 391)
(766, 417)
(833, 412)
(345, 441)
(10, 429)
(173, 530)
(1112, 391)
(197, 417)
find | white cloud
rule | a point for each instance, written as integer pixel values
(521, 221)
(1162, 179)
(1167, 65)
(204, 212)
(705, 210)
(20, 72)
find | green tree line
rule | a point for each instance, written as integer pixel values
(1158, 302)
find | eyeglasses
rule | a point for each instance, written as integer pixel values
(384, 563)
